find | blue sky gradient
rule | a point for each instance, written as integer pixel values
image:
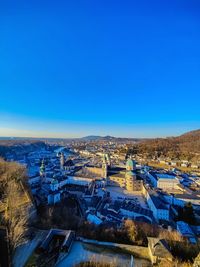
(123, 68)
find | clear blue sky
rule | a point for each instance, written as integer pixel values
(123, 68)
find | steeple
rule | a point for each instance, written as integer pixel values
(42, 169)
(130, 165)
(130, 174)
(104, 167)
(107, 157)
(62, 161)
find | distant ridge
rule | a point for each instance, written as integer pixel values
(98, 137)
(111, 138)
(91, 137)
(195, 134)
(192, 133)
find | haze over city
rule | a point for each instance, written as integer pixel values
(103, 67)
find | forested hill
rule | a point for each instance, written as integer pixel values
(190, 142)
(186, 146)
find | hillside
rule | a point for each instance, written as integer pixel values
(192, 133)
(189, 142)
(15, 202)
(186, 146)
(19, 147)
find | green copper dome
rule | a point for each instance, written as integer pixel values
(130, 165)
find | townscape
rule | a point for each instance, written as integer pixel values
(100, 133)
(107, 187)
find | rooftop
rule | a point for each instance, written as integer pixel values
(164, 176)
(159, 204)
(184, 228)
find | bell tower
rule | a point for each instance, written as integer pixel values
(42, 170)
(104, 167)
(62, 161)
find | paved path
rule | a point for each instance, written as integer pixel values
(138, 251)
(103, 243)
(79, 253)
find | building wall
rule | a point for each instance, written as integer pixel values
(130, 182)
(53, 198)
(34, 180)
(153, 179)
(117, 181)
(167, 183)
(96, 170)
(181, 201)
(152, 207)
(133, 214)
(159, 214)
(54, 187)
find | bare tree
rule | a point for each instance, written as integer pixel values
(16, 214)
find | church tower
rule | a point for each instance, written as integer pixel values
(105, 167)
(107, 156)
(130, 175)
(105, 170)
(42, 170)
(62, 161)
(130, 165)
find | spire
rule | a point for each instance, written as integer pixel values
(130, 165)
(104, 166)
(62, 160)
(42, 168)
(106, 159)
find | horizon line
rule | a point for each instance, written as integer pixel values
(63, 136)
(101, 136)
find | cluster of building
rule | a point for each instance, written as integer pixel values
(167, 161)
(179, 163)
(107, 187)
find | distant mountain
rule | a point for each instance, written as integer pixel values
(110, 138)
(91, 137)
(98, 137)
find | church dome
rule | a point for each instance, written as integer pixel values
(130, 165)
